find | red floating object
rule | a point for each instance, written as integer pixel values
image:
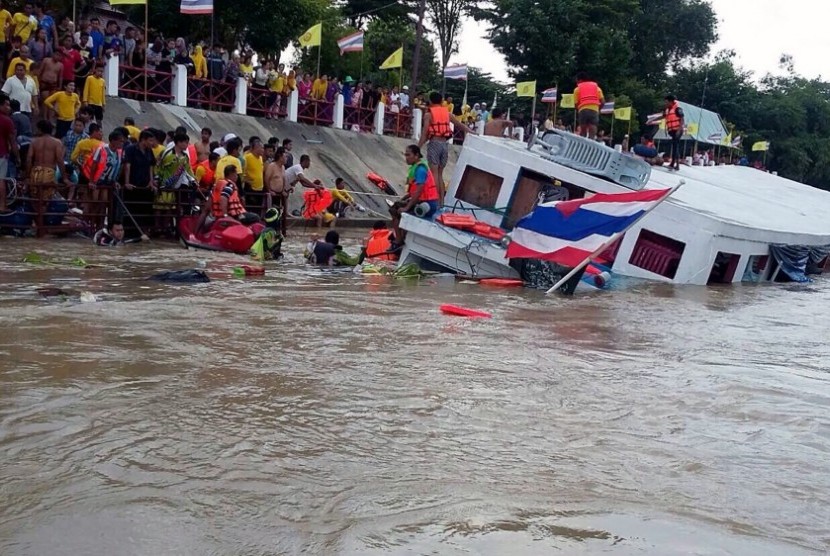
(457, 311)
(501, 282)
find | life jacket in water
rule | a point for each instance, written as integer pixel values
(235, 206)
(439, 124)
(430, 191)
(315, 202)
(378, 246)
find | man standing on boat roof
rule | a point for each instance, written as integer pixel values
(588, 98)
(438, 132)
(675, 123)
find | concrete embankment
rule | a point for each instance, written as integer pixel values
(334, 152)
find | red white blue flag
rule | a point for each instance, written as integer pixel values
(351, 43)
(568, 232)
(550, 95)
(197, 7)
(607, 108)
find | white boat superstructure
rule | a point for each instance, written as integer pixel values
(717, 228)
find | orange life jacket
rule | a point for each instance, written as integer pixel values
(672, 119)
(430, 191)
(378, 245)
(235, 206)
(588, 94)
(191, 154)
(96, 163)
(439, 125)
(210, 175)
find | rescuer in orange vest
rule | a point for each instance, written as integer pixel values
(438, 132)
(673, 115)
(588, 98)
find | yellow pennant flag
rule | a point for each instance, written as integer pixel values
(526, 89)
(567, 101)
(623, 114)
(395, 60)
(760, 146)
(312, 37)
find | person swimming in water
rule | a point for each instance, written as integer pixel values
(114, 236)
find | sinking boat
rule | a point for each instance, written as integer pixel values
(726, 224)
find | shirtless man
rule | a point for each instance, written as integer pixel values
(50, 75)
(45, 155)
(275, 183)
(203, 146)
(499, 123)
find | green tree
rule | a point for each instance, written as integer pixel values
(359, 12)
(445, 16)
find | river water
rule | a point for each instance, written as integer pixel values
(330, 413)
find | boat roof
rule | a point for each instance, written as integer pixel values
(750, 198)
(748, 203)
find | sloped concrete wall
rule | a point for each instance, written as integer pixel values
(334, 153)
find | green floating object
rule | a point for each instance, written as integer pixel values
(78, 261)
(34, 258)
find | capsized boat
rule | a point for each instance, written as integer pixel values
(727, 224)
(226, 234)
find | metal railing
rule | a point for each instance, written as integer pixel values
(145, 84)
(316, 112)
(217, 96)
(363, 118)
(265, 103)
(398, 124)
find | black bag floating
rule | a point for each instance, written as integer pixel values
(182, 276)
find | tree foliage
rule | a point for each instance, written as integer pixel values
(445, 16)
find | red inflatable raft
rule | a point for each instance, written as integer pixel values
(226, 234)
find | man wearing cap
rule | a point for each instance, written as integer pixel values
(404, 98)
(348, 90)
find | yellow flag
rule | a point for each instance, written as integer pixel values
(395, 60)
(760, 146)
(126, 2)
(526, 89)
(727, 140)
(312, 37)
(623, 114)
(567, 102)
(692, 128)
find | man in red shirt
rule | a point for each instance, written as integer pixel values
(71, 59)
(8, 147)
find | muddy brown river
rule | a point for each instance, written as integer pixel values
(321, 412)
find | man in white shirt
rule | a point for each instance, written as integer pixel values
(294, 174)
(22, 88)
(404, 97)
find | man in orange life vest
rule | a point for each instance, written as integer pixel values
(225, 199)
(421, 190)
(675, 123)
(588, 98)
(437, 131)
(378, 245)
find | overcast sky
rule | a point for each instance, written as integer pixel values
(758, 30)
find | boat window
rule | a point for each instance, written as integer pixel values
(657, 253)
(724, 267)
(756, 268)
(530, 187)
(479, 188)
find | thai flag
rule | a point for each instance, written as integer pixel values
(550, 95)
(736, 142)
(607, 108)
(716, 137)
(197, 7)
(568, 232)
(456, 72)
(351, 43)
(654, 119)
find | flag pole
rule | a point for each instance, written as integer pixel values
(319, 54)
(613, 115)
(533, 110)
(611, 240)
(212, 36)
(361, 64)
(146, 41)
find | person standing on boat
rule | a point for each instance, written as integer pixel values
(438, 132)
(498, 125)
(588, 98)
(673, 115)
(421, 190)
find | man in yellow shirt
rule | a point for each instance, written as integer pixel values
(319, 88)
(5, 25)
(340, 199)
(85, 147)
(65, 104)
(22, 59)
(24, 24)
(95, 89)
(253, 176)
(132, 130)
(230, 158)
